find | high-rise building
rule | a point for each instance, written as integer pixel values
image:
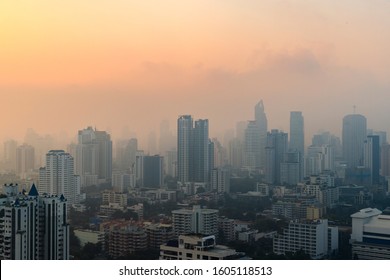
(220, 180)
(297, 139)
(57, 177)
(10, 147)
(262, 124)
(25, 160)
(372, 157)
(290, 168)
(184, 148)
(385, 160)
(94, 156)
(201, 151)
(33, 227)
(354, 134)
(196, 220)
(152, 175)
(193, 150)
(275, 153)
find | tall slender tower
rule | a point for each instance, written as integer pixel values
(297, 139)
(354, 135)
(184, 151)
(201, 151)
(372, 157)
(275, 153)
(262, 125)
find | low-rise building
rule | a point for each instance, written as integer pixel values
(197, 247)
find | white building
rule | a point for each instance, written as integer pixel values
(58, 176)
(220, 180)
(314, 237)
(196, 247)
(33, 227)
(370, 238)
(195, 220)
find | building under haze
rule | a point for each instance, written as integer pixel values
(58, 177)
(353, 136)
(297, 139)
(256, 139)
(94, 157)
(372, 158)
(275, 155)
(25, 160)
(33, 226)
(193, 150)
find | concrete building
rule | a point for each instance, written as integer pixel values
(158, 234)
(25, 160)
(114, 197)
(196, 247)
(33, 227)
(220, 180)
(354, 134)
(275, 152)
(297, 140)
(370, 238)
(314, 237)
(94, 157)
(196, 220)
(58, 177)
(184, 150)
(371, 157)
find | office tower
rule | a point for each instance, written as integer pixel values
(236, 152)
(315, 238)
(33, 227)
(152, 176)
(354, 134)
(58, 178)
(290, 168)
(94, 157)
(25, 160)
(170, 163)
(10, 147)
(297, 139)
(262, 124)
(220, 180)
(385, 160)
(125, 155)
(201, 151)
(196, 220)
(372, 157)
(184, 148)
(219, 155)
(370, 234)
(275, 150)
(252, 146)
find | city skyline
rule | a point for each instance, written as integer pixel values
(117, 65)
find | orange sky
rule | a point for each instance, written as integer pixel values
(68, 64)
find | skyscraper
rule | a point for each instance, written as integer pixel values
(94, 156)
(201, 151)
(275, 153)
(255, 139)
(262, 124)
(372, 157)
(33, 227)
(184, 148)
(25, 160)
(297, 139)
(354, 135)
(58, 177)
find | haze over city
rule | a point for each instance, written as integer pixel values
(118, 65)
